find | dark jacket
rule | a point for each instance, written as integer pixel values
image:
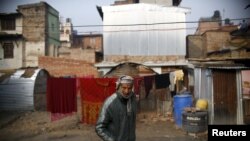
(115, 123)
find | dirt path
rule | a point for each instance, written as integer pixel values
(37, 126)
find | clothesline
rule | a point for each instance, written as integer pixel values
(62, 92)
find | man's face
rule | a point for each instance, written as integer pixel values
(126, 88)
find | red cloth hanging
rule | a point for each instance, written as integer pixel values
(61, 97)
(148, 82)
(137, 84)
(78, 86)
(93, 93)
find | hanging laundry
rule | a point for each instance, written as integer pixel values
(93, 93)
(172, 81)
(179, 74)
(78, 87)
(175, 76)
(162, 81)
(148, 82)
(137, 84)
(61, 97)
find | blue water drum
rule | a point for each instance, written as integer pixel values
(180, 102)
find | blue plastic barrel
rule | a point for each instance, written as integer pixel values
(180, 102)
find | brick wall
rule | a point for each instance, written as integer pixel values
(34, 16)
(195, 46)
(205, 26)
(67, 67)
(94, 42)
(142, 59)
(91, 41)
(215, 40)
(87, 55)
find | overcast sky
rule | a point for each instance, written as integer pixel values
(84, 12)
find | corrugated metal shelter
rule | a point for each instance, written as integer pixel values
(129, 68)
(18, 90)
(144, 29)
(221, 86)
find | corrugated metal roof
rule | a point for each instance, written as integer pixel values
(128, 68)
(17, 92)
(228, 67)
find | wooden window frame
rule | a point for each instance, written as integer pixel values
(8, 23)
(8, 50)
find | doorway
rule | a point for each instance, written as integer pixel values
(225, 96)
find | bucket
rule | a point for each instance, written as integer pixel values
(195, 122)
(180, 102)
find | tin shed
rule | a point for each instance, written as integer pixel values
(23, 89)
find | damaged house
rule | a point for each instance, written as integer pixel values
(30, 32)
(145, 37)
(220, 58)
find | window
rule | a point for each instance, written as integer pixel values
(67, 31)
(8, 23)
(8, 50)
(52, 27)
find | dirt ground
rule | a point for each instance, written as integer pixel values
(36, 125)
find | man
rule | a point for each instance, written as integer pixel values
(244, 26)
(117, 119)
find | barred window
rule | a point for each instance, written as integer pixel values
(8, 23)
(8, 50)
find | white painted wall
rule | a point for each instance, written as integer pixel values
(16, 62)
(158, 2)
(12, 63)
(66, 36)
(32, 51)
